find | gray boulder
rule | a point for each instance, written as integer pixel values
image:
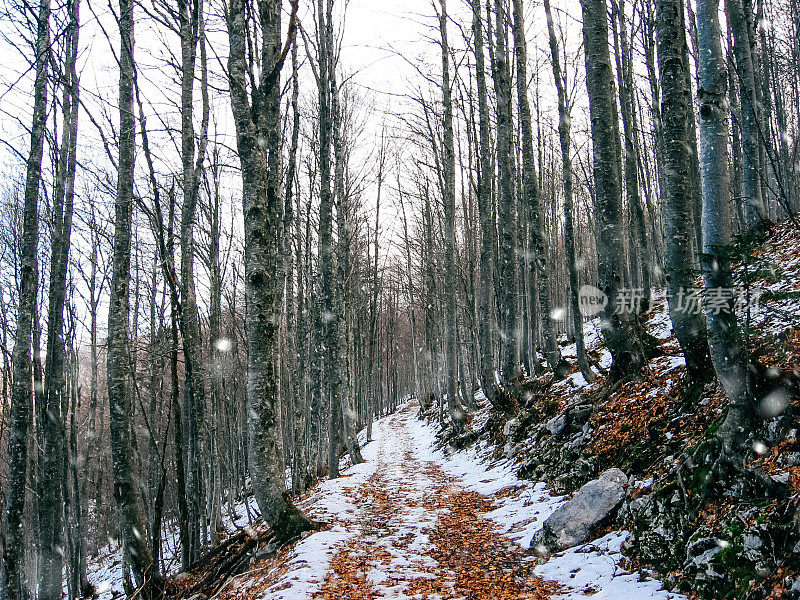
(573, 522)
(556, 425)
(511, 427)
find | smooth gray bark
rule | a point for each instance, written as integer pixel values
(21, 359)
(564, 127)
(727, 350)
(487, 324)
(126, 489)
(530, 200)
(52, 439)
(507, 279)
(642, 254)
(457, 414)
(678, 194)
(256, 114)
(190, 17)
(751, 147)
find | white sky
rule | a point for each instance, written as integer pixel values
(385, 44)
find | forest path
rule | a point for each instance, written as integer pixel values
(421, 533)
(412, 523)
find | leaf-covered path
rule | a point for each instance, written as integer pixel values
(417, 532)
(412, 523)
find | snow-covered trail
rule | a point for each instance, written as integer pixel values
(413, 523)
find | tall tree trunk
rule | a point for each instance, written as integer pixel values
(485, 212)
(329, 325)
(217, 345)
(52, 441)
(620, 328)
(751, 165)
(457, 414)
(190, 19)
(727, 350)
(343, 294)
(21, 390)
(508, 317)
(295, 319)
(564, 126)
(126, 489)
(256, 119)
(678, 193)
(531, 200)
(632, 156)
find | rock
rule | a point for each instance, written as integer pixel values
(511, 427)
(705, 570)
(654, 533)
(575, 442)
(782, 477)
(795, 589)
(699, 545)
(701, 551)
(581, 414)
(510, 449)
(573, 522)
(752, 547)
(557, 425)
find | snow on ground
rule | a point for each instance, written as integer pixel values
(104, 569)
(592, 571)
(402, 446)
(398, 462)
(588, 571)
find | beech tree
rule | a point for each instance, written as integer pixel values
(564, 126)
(256, 111)
(678, 192)
(507, 280)
(727, 351)
(51, 413)
(22, 359)
(138, 554)
(620, 329)
(448, 199)
(530, 189)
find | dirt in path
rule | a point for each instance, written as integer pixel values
(419, 534)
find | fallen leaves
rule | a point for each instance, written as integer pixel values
(463, 557)
(485, 564)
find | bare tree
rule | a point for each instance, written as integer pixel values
(678, 193)
(256, 111)
(22, 391)
(530, 189)
(727, 350)
(138, 554)
(51, 415)
(507, 280)
(564, 126)
(620, 328)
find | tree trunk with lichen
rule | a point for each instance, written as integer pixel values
(52, 439)
(727, 349)
(138, 555)
(507, 280)
(619, 327)
(449, 202)
(564, 126)
(677, 190)
(257, 119)
(21, 360)
(483, 191)
(531, 201)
